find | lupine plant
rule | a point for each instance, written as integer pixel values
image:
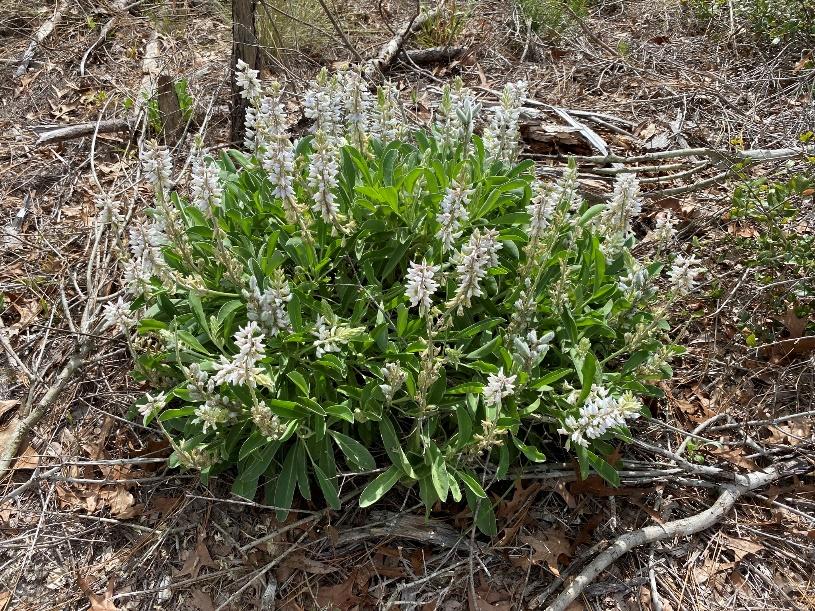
(402, 302)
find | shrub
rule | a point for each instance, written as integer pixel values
(776, 21)
(408, 301)
(553, 19)
(778, 244)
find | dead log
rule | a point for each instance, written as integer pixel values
(58, 133)
(391, 49)
(43, 32)
(244, 48)
(434, 55)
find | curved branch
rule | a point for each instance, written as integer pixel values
(683, 527)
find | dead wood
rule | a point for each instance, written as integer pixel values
(390, 50)
(43, 32)
(434, 55)
(59, 133)
(170, 110)
(731, 492)
(245, 49)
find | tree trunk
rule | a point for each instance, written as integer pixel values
(245, 48)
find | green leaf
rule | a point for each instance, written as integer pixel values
(198, 309)
(438, 472)
(328, 488)
(299, 381)
(379, 486)
(530, 452)
(356, 453)
(284, 487)
(393, 446)
(340, 411)
(465, 425)
(471, 483)
(192, 342)
(604, 470)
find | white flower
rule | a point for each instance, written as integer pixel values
(614, 223)
(269, 307)
(394, 379)
(330, 336)
(158, 167)
(476, 257)
(421, 285)
(242, 369)
(532, 349)
(634, 283)
(205, 188)
(683, 274)
(211, 414)
(109, 211)
(386, 124)
(199, 384)
(357, 107)
(269, 424)
(664, 230)
(499, 386)
(117, 313)
(324, 103)
(456, 115)
(502, 136)
(247, 80)
(322, 178)
(152, 404)
(453, 214)
(541, 209)
(600, 413)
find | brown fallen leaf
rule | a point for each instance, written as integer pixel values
(4, 598)
(709, 569)
(548, 547)
(196, 559)
(29, 459)
(735, 456)
(740, 547)
(119, 500)
(792, 433)
(202, 600)
(99, 602)
(795, 325)
(340, 596)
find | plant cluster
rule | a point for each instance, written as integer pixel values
(400, 301)
(779, 243)
(774, 21)
(553, 19)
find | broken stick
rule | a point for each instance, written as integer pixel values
(391, 49)
(43, 32)
(58, 133)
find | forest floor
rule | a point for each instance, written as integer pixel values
(90, 516)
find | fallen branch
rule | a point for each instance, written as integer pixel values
(434, 55)
(50, 133)
(21, 427)
(731, 492)
(43, 32)
(391, 49)
(384, 524)
(103, 34)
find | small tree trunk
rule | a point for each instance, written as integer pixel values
(245, 48)
(170, 110)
